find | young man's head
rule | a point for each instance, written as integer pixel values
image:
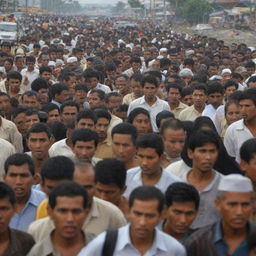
(31, 118)
(174, 93)
(96, 98)
(215, 94)
(30, 99)
(7, 206)
(182, 201)
(199, 95)
(145, 201)
(45, 73)
(124, 137)
(69, 111)
(103, 119)
(173, 134)
(41, 86)
(113, 101)
(203, 147)
(135, 63)
(30, 62)
(84, 144)
(140, 118)
(150, 149)
(234, 202)
(251, 83)
(230, 87)
(122, 84)
(92, 77)
(14, 79)
(86, 119)
(19, 118)
(186, 96)
(53, 112)
(39, 140)
(54, 171)
(68, 208)
(59, 92)
(19, 175)
(110, 175)
(247, 104)
(150, 87)
(248, 159)
(135, 82)
(5, 103)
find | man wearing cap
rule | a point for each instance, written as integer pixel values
(229, 235)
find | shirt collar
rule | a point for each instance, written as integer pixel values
(240, 125)
(142, 100)
(217, 233)
(33, 198)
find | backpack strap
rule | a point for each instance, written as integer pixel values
(110, 243)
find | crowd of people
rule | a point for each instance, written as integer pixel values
(125, 142)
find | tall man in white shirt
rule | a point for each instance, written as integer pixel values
(150, 101)
(244, 129)
(140, 237)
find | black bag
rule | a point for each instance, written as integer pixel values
(110, 243)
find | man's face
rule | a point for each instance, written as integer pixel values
(14, 85)
(248, 110)
(5, 104)
(68, 216)
(174, 142)
(180, 216)
(20, 122)
(8, 66)
(87, 180)
(63, 96)
(174, 95)
(80, 96)
(19, 63)
(230, 90)
(187, 100)
(122, 85)
(113, 103)
(47, 185)
(123, 147)
(149, 161)
(150, 91)
(144, 216)
(199, 98)
(46, 75)
(44, 60)
(250, 168)
(71, 82)
(212, 70)
(39, 144)
(92, 82)
(85, 123)
(94, 100)
(250, 70)
(84, 150)
(216, 99)
(110, 193)
(69, 114)
(142, 124)
(30, 101)
(30, 65)
(135, 66)
(235, 209)
(204, 157)
(53, 116)
(101, 127)
(136, 88)
(6, 212)
(20, 179)
(31, 120)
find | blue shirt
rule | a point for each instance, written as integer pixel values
(22, 220)
(222, 247)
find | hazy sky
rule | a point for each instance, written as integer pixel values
(100, 1)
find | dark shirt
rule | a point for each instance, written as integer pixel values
(20, 243)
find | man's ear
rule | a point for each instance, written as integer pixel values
(123, 189)
(190, 153)
(243, 165)
(49, 210)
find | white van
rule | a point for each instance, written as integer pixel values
(8, 31)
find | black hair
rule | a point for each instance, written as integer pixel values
(162, 115)
(18, 110)
(90, 73)
(230, 83)
(189, 61)
(200, 87)
(248, 150)
(110, 172)
(30, 59)
(112, 94)
(57, 89)
(214, 87)
(84, 135)
(101, 94)
(81, 87)
(125, 128)
(6, 192)
(86, 114)
(251, 239)
(66, 76)
(186, 91)
(59, 129)
(137, 77)
(40, 127)
(151, 140)
(249, 94)
(147, 193)
(14, 75)
(174, 124)
(182, 192)
(50, 107)
(19, 159)
(102, 113)
(44, 69)
(201, 137)
(39, 84)
(174, 86)
(69, 103)
(135, 112)
(67, 189)
(135, 59)
(149, 79)
(57, 168)
(251, 80)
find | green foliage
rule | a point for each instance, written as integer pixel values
(135, 4)
(194, 11)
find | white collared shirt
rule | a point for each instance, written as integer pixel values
(133, 180)
(209, 111)
(31, 75)
(163, 245)
(237, 133)
(153, 110)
